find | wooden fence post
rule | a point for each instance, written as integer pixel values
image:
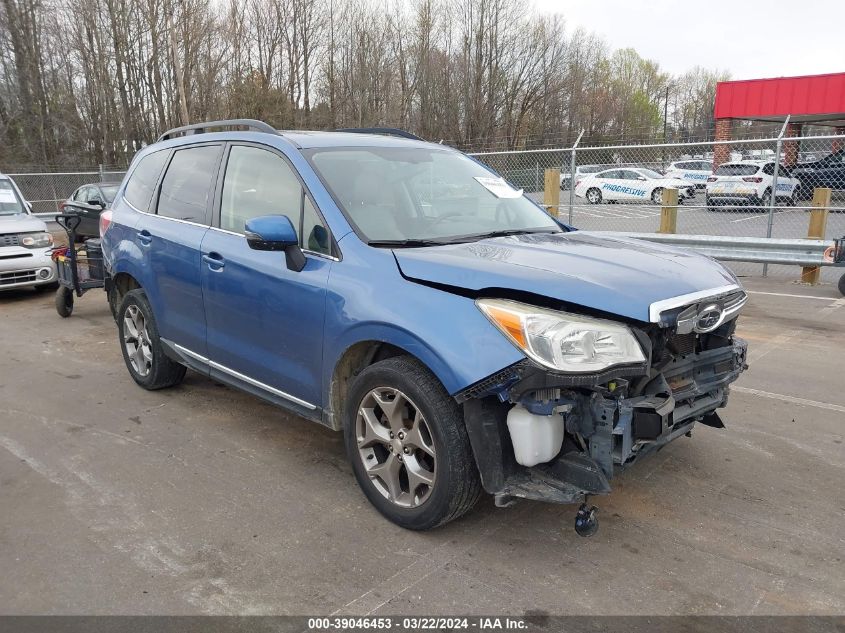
(551, 196)
(816, 230)
(669, 212)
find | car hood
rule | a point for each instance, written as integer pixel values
(21, 223)
(616, 275)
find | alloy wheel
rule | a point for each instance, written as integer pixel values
(396, 447)
(136, 340)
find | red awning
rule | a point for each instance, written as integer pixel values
(814, 98)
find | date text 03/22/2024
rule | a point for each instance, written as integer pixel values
(416, 623)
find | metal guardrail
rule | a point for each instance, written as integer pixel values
(761, 250)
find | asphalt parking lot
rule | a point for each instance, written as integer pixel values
(202, 500)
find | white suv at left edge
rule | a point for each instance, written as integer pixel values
(629, 184)
(25, 244)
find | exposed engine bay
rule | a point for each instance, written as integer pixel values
(556, 437)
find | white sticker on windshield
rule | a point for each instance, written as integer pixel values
(7, 195)
(498, 187)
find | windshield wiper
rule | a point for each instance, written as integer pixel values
(409, 243)
(457, 239)
(505, 233)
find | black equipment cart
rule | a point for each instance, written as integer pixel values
(80, 266)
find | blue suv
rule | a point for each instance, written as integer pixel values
(401, 292)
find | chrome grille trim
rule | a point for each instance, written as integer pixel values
(713, 294)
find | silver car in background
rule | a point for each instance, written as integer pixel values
(25, 244)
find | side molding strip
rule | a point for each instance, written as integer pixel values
(244, 378)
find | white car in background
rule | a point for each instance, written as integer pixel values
(697, 171)
(580, 170)
(25, 244)
(749, 183)
(630, 184)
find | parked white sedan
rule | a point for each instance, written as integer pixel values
(629, 184)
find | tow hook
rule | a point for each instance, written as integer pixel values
(586, 522)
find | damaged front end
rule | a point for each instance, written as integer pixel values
(555, 436)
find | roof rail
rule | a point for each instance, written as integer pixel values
(199, 128)
(387, 131)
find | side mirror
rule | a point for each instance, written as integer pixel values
(275, 233)
(95, 203)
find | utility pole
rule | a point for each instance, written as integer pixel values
(177, 69)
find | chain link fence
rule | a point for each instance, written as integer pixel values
(45, 191)
(725, 188)
(620, 187)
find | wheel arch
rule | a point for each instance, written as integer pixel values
(120, 284)
(366, 351)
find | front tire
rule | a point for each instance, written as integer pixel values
(142, 349)
(593, 196)
(408, 446)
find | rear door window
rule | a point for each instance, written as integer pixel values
(143, 180)
(186, 186)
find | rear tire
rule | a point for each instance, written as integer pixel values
(842, 285)
(426, 429)
(64, 301)
(766, 200)
(142, 350)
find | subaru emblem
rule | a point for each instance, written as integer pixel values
(709, 318)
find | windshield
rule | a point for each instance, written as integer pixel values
(393, 194)
(648, 173)
(10, 202)
(109, 192)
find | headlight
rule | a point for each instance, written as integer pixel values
(563, 341)
(37, 240)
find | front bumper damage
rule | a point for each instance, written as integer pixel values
(611, 420)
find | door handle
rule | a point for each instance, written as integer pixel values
(215, 261)
(145, 237)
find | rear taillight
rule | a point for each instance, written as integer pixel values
(577, 182)
(62, 206)
(753, 179)
(712, 179)
(105, 221)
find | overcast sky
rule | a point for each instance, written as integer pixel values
(750, 39)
